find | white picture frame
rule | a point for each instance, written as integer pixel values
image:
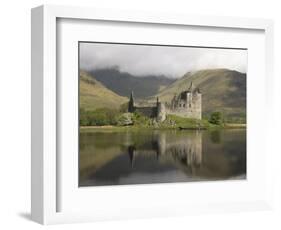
(46, 183)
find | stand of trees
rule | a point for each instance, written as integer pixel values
(121, 117)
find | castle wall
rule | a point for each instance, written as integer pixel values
(186, 104)
(147, 111)
(184, 113)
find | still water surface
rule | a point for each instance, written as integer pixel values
(142, 157)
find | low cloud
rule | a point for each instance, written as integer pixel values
(143, 60)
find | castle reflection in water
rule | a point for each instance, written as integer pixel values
(140, 157)
(183, 152)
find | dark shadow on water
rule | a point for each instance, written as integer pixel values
(215, 136)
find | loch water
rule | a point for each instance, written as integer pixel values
(112, 157)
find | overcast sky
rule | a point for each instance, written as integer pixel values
(142, 60)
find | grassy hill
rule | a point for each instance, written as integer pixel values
(222, 90)
(123, 83)
(94, 95)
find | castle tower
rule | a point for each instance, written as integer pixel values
(161, 111)
(197, 103)
(190, 88)
(174, 101)
(131, 106)
(189, 95)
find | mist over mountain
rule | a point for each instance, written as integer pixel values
(123, 83)
(173, 61)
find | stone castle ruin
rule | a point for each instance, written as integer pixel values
(185, 104)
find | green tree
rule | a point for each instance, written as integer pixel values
(98, 117)
(216, 118)
(140, 120)
(83, 118)
(125, 119)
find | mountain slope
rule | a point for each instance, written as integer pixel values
(222, 90)
(95, 95)
(123, 83)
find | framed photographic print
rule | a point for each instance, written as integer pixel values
(157, 113)
(140, 114)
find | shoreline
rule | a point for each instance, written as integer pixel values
(112, 127)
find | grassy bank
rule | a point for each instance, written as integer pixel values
(172, 122)
(118, 120)
(138, 128)
(234, 126)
